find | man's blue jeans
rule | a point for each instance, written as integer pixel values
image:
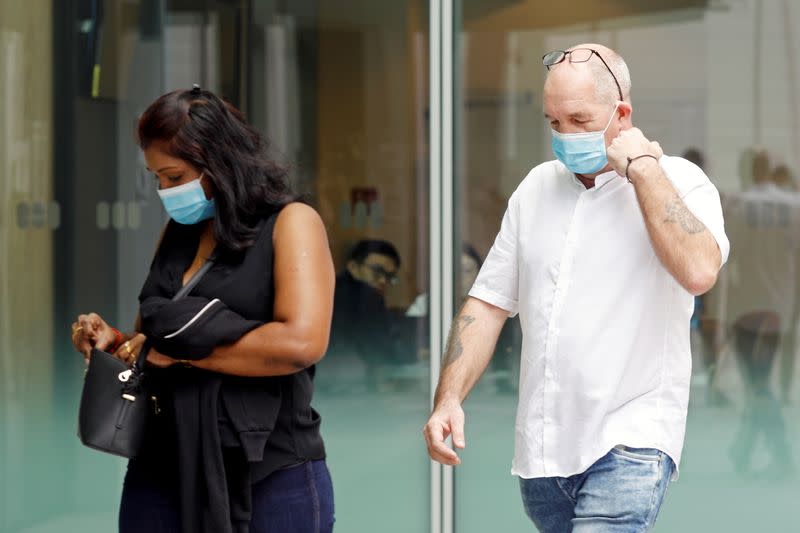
(620, 493)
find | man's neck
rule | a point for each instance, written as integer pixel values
(587, 182)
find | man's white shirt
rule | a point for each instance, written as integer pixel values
(605, 351)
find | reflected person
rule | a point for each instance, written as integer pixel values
(504, 366)
(761, 303)
(784, 179)
(703, 324)
(600, 252)
(363, 326)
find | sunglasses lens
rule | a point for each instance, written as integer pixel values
(581, 55)
(551, 58)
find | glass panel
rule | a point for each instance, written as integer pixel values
(90, 232)
(717, 85)
(78, 230)
(340, 88)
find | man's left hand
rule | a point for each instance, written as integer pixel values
(630, 143)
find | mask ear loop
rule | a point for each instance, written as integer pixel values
(610, 120)
(199, 181)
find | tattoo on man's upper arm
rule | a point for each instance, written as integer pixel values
(678, 212)
(455, 345)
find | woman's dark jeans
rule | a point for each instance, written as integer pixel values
(298, 499)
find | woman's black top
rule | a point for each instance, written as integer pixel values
(244, 282)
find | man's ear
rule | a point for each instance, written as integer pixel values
(625, 112)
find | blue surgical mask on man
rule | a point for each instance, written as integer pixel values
(582, 153)
(187, 203)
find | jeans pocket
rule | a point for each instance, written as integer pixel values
(649, 455)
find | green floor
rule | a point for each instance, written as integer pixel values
(380, 471)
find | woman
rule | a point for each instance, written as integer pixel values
(234, 444)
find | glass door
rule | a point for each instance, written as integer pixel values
(700, 88)
(340, 88)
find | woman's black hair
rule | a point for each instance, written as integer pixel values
(200, 128)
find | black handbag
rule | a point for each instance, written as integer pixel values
(115, 402)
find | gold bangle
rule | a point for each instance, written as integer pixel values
(185, 362)
(127, 346)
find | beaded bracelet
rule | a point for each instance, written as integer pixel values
(119, 338)
(632, 159)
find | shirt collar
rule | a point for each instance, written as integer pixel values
(599, 180)
(604, 178)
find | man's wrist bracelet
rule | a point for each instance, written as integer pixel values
(632, 159)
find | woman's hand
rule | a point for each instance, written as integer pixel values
(90, 331)
(129, 350)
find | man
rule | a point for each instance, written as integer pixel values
(600, 252)
(371, 268)
(362, 325)
(757, 302)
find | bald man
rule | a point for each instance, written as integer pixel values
(601, 252)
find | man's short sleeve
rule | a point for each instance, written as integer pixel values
(703, 201)
(701, 198)
(498, 280)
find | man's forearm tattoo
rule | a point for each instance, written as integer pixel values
(678, 212)
(455, 347)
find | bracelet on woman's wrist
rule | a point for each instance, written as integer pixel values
(119, 338)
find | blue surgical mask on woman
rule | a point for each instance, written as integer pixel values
(582, 153)
(187, 203)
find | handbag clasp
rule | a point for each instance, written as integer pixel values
(125, 375)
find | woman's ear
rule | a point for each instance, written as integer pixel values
(207, 185)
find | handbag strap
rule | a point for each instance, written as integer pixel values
(138, 365)
(195, 279)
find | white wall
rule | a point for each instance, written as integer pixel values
(743, 111)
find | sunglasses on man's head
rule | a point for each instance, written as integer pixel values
(577, 55)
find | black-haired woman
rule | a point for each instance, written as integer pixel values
(235, 446)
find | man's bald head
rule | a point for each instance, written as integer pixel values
(605, 87)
